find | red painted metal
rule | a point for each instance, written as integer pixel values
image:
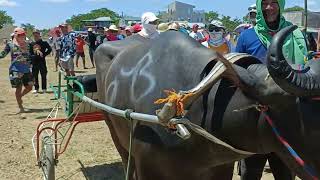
(78, 119)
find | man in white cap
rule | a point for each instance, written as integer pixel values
(216, 40)
(149, 25)
(91, 41)
(252, 14)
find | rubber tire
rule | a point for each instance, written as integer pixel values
(48, 160)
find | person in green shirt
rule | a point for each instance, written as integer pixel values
(269, 21)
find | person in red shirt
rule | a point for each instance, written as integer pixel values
(80, 51)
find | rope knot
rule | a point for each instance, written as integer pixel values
(178, 100)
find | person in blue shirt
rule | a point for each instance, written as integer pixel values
(19, 70)
(249, 43)
(269, 21)
(255, 41)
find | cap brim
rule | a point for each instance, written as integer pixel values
(154, 19)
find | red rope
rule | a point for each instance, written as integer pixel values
(308, 169)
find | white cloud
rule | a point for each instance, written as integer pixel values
(8, 3)
(56, 1)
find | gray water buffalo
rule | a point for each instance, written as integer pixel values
(133, 75)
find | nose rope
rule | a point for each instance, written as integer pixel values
(310, 171)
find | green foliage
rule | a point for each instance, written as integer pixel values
(45, 33)
(5, 19)
(211, 15)
(28, 28)
(294, 8)
(76, 20)
(227, 21)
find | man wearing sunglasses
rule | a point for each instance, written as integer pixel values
(255, 41)
(216, 38)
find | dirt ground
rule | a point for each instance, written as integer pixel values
(91, 154)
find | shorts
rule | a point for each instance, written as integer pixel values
(81, 54)
(18, 79)
(67, 65)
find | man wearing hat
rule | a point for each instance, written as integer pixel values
(163, 27)
(216, 38)
(39, 49)
(91, 41)
(136, 28)
(128, 30)
(195, 34)
(112, 33)
(68, 50)
(252, 14)
(149, 25)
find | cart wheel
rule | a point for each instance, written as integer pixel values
(47, 159)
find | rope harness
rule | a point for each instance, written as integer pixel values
(308, 169)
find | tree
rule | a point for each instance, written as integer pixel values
(211, 15)
(294, 8)
(5, 19)
(28, 28)
(229, 23)
(76, 20)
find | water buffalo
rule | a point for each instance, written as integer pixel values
(135, 75)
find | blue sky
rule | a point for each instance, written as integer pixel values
(48, 13)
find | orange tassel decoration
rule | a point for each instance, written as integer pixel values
(176, 99)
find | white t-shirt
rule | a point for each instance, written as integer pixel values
(197, 36)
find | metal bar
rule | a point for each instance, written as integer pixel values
(59, 85)
(38, 138)
(69, 99)
(181, 130)
(80, 119)
(57, 93)
(118, 112)
(80, 85)
(68, 139)
(305, 17)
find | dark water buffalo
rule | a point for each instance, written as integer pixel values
(138, 74)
